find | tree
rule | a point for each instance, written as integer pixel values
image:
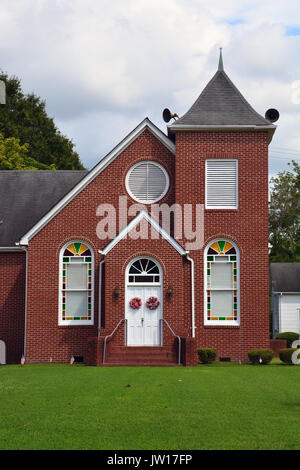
(284, 215)
(24, 117)
(14, 156)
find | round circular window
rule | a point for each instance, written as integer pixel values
(147, 182)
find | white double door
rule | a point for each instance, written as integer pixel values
(143, 324)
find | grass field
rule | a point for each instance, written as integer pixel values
(217, 406)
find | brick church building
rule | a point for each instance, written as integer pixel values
(88, 269)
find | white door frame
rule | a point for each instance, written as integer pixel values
(160, 285)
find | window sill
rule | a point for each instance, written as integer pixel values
(219, 209)
(76, 325)
(228, 326)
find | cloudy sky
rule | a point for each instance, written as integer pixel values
(103, 65)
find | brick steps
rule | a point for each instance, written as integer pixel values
(142, 364)
(132, 355)
(142, 356)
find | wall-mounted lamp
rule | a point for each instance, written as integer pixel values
(116, 292)
(170, 291)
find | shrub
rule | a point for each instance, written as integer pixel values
(289, 336)
(266, 356)
(285, 355)
(207, 355)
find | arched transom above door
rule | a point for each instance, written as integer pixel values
(144, 270)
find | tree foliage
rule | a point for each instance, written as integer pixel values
(14, 156)
(24, 117)
(284, 215)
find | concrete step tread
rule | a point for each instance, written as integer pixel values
(137, 364)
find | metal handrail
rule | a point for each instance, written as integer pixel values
(179, 339)
(109, 336)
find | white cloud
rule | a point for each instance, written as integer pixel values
(103, 66)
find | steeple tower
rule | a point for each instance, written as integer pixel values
(221, 106)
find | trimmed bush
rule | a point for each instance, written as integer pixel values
(285, 355)
(207, 355)
(289, 336)
(266, 356)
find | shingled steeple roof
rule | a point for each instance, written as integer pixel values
(221, 105)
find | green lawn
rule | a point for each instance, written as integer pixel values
(218, 406)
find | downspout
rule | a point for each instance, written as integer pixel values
(100, 296)
(23, 248)
(280, 319)
(192, 292)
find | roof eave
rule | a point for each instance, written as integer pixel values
(286, 292)
(10, 249)
(228, 127)
(196, 127)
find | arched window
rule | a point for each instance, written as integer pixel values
(144, 270)
(221, 283)
(76, 284)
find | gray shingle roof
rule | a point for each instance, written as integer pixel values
(221, 104)
(285, 277)
(26, 196)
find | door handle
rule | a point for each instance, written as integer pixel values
(142, 319)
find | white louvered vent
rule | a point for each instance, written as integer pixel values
(147, 182)
(221, 184)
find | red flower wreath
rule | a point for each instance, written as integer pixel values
(152, 303)
(135, 302)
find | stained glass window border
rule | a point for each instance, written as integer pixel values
(222, 249)
(77, 249)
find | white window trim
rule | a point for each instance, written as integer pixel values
(142, 201)
(141, 284)
(144, 284)
(222, 322)
(62, 322)
(236, 187)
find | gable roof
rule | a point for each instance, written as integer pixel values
(26, 196)
(285, 277)
(143, 215)
(221, 105)
(32, 230)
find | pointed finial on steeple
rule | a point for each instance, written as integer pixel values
(220, 67)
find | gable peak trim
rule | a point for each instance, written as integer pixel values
(135, 221)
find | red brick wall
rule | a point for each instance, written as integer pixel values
(12, 304)
(247, 227)
(277, 344)
(78, 220)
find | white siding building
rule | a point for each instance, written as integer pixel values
(285, 290)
